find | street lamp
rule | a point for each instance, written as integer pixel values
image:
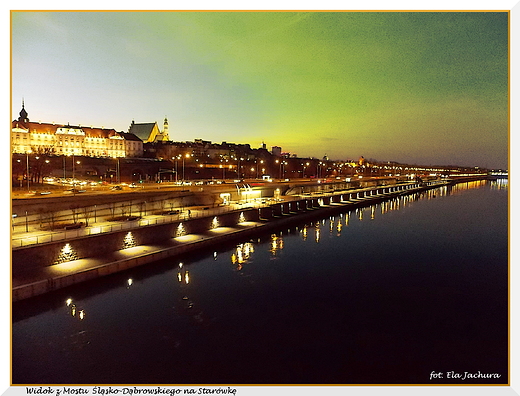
(261, 161)
(306, 165)
(27, 154)
(183, 158)
(223, 166)
(283, 169)
(74, 163)
(176, 158)
(239, 175)
(64, 173)
(118, 172)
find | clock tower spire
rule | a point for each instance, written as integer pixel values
(23, 114)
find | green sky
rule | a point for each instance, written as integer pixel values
(416, 87)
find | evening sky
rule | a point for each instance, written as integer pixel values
(411, 87)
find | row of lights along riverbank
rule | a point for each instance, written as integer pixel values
(68, 253)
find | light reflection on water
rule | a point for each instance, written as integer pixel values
(342, 219)
(365, 296)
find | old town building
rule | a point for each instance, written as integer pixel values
(78, 140)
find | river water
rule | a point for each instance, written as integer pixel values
(381, 295)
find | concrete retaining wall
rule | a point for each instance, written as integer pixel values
(99, 244)
(47, 285)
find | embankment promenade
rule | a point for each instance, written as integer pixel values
(44, 267)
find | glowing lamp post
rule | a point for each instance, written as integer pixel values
(261, 161)
(28, 171)
(183, 167)
(282, 168)
(175, 159)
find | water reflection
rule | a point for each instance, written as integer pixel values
(241, 254)
(276, 244)
(304, 233)
(73, 310)
(460, 187)
(335, 223)
(220, 317)
(183, 275)
(499, 184)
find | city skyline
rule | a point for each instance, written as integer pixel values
(410, 87)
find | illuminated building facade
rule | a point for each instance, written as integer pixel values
(59, 139)
(149, 132)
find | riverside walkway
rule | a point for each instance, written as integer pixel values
(34, 236)
(31, 234)
(41, 279)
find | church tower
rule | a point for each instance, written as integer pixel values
(165, 135)
(23, 114)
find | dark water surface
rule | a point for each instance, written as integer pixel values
(383, 295)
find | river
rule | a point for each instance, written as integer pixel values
(386, 294)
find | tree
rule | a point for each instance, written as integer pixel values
(40, 162)
(87, 214)
(47, 216)
(75, 213)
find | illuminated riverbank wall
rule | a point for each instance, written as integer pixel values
(46, 267)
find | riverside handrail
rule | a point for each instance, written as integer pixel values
(27, 240)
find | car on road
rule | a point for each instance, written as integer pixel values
(74, 191)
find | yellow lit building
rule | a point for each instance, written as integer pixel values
(149, 132)
(58, 139)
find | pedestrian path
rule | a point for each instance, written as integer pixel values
(38, 280)
(35, 236)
